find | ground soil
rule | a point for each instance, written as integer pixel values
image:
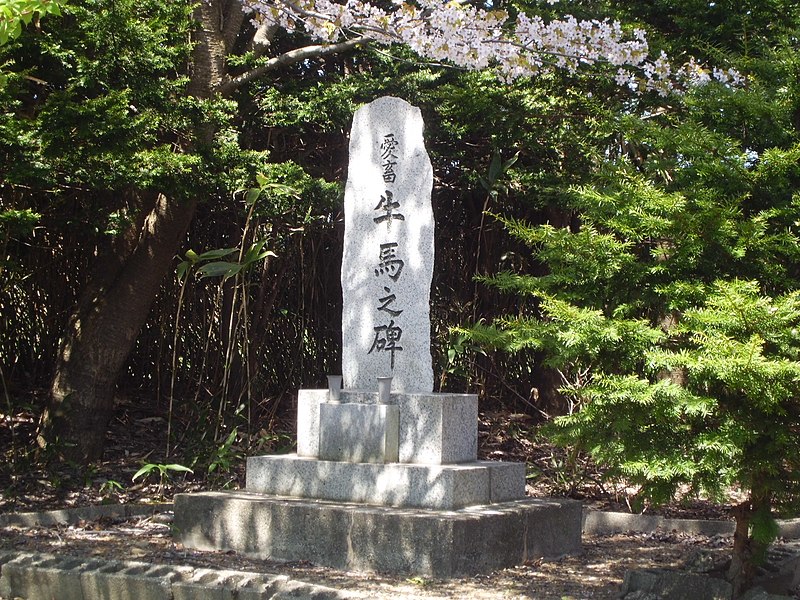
(596, 572)
(137, 437)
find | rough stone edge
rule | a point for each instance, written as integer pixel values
(90, 569)
(597, 522)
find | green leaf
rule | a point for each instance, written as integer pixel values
(143, 471)
(222, 269)
(218, 253)
(255, 253)
(179, 468)
(252, 196)
(183, 268)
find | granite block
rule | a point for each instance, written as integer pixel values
(308, 402)
(433, 429)
(388, 253)
(346, 536)
(358, 432)
(443, 487)
(438, 429)
(507, 480)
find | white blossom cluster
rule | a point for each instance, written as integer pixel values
(472, 38)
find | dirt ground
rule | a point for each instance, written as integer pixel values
(596, 572)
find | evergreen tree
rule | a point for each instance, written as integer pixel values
(670, 304)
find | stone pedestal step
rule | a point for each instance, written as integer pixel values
(367, 538)
(432, 429)
(443, 487)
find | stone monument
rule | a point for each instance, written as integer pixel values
(387, 263)
(386, 475)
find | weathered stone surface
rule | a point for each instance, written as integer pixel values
(358, 432)
(308, 402)
(761, 594)
(780, 573)
(444, 487)
(434, 429)
(36, 576)
(438, 429)
(367, 538)
(43, 577)
(387, 262)
(597, 522)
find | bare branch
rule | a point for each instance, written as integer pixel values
(289, 58)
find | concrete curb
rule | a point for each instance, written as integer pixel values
(597, 522)
(35, 576)
(71, 516)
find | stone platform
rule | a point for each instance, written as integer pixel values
(445, 487)
(348, 536)
(392, 485)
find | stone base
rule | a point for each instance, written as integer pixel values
(355, 537)
(358, 433)
(434, 429)
(443, 487)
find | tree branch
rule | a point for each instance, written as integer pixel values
(233, 15)
(262, 40)
(289, 58)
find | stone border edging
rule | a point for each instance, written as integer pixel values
(40, 576)
(596, 522)
(71, 516)
(37, 576)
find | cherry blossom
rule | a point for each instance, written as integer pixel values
(472, 38)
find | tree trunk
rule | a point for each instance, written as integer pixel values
(747, 552)
(101, 333)
(104, 327)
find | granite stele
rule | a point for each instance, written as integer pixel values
(386, 476)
